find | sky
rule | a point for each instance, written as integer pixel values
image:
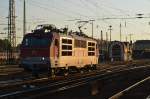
(63, 13)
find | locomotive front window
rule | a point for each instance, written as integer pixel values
(26, 42)
(31, 41)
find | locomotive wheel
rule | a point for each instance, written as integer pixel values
(90, 70)
(53, 73)
(81, 70)
(66, 74)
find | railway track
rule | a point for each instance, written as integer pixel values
(139, 90)
(13, 73)
(30, 79)
(68, 82)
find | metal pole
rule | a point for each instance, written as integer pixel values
(101, 42)
(106, 45)
(11, 31)
(120, 32)
(106, 36)
(92, 29)
(24, 18)
(126, 38)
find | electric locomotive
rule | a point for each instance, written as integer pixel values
(55, 50)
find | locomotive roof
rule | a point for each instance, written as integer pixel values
(77, 37)
(72, 35)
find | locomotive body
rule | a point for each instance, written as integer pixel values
(56, 51)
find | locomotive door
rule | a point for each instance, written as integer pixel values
(56, 51)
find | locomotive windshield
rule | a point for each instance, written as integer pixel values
(36, 42)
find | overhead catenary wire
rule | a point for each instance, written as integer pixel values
(108, 5)
(61, 9)
(87, 6)
(79, 6)
(49, 9)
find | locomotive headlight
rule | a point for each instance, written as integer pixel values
(43, 58)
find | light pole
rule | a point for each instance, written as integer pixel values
(120, 32)
(110, 29)
(92, 27)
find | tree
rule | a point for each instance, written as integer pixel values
(4, 45)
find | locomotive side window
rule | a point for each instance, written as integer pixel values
(69, 41)
(69, 53)
(80, 44)
(66, 41)
(91, 49)
(93, 44)
(66, 53)
(66, 47)
(89, 44)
